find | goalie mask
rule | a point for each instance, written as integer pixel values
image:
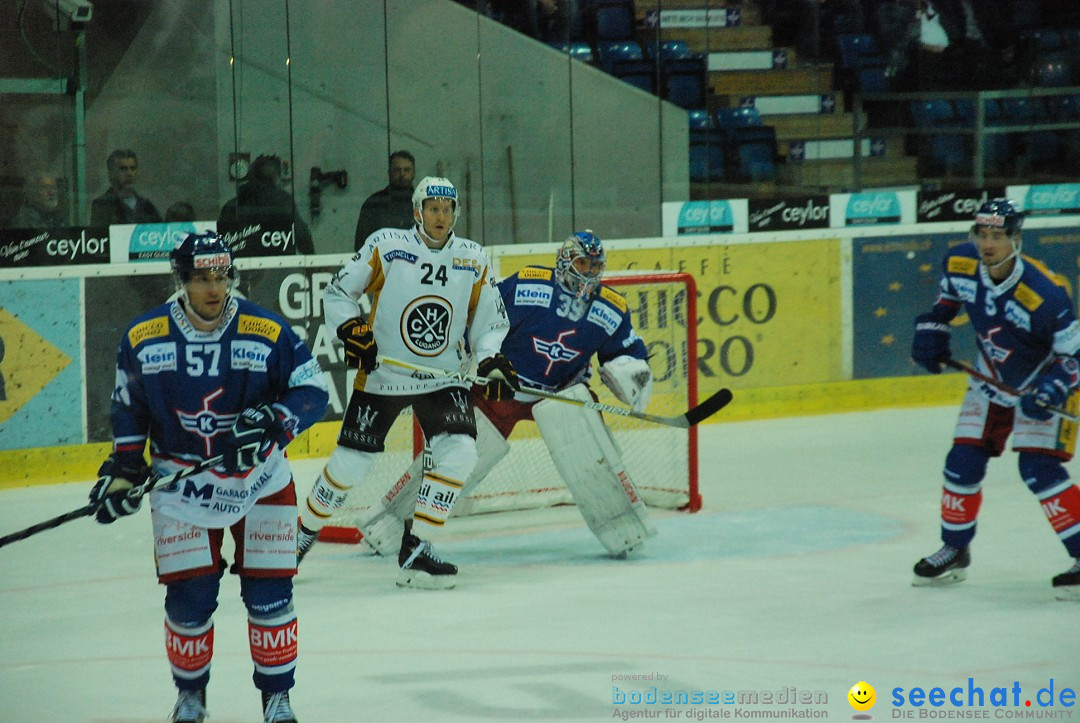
(581, 263)
(1003, 214)
(435, 187)
(206, 254)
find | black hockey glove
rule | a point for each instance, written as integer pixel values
(252, 438)
(931, 343)
(360, 348)
(120, 488)
(503, 380)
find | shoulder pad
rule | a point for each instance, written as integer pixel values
(613, 297)
(962, 265)
(534, 272)
(1055, 278)
(149, 329)
(258, 326)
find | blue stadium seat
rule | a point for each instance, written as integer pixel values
(683, 81)
(1064, 107)
(611, 19)
(857, 50)
(666, 49)
(577, 49)
(736, 117)
(700, 119)
(1052, 70)
(946, 154)
(624, 59)
(752, 154)
(610, 52)
(707, 148)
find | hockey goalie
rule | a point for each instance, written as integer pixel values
(559, 318)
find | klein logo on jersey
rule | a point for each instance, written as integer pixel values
(604, 317)
(555, 351)
(156, 358)
(400, 254)
(250, 355)
(425, 325)
(532, 295)
(997, 354)
(205, 422)
(966, 289)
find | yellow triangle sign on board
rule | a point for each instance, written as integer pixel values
(29, 363)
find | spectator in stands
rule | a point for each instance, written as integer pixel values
(41, 203)
(554, 21)
(260, 199)
(392, 207)
(982, 46)
(120, 203)
(180, 211)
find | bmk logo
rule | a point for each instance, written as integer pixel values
(205, 422)
(555, 351)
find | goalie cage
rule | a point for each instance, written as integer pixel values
(662, 461)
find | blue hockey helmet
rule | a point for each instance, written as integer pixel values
(201, 252)
(1000, 213)
(581, 263)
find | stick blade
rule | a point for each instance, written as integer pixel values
(709, 407)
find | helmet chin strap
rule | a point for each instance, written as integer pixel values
(1015, 252)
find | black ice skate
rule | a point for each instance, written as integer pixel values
(421, 567)
(1067, 584)
(305, 539)
(190, 707)
(276, 708)
(945, 567)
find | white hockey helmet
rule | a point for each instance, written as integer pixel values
(436, 187)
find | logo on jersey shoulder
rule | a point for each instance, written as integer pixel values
(555, 351)
(250, 355)
(205, 422)
(156, 358)
(1028, 297)
(998, 354)
(532, 295)
(467, 265)
(962, 265)
(531, 272)
(1017, 316)
(425, 325)
(602, 315)
(613, 297)
(258, 326)
(149, 329)
(966, 289)
(400, 254)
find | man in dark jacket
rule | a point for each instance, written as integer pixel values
(392, 207)
(121, 204)
(261, 200)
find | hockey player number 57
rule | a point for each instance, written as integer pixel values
(196, 353)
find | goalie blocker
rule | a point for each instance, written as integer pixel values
(584, 453)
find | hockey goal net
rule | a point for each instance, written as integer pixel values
(661, 460)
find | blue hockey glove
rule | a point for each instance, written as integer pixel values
(252, 438)
(503, 379)
(1049, 391)
(931, 343)
(120, 488)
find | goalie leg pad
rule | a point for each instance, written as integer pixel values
(345, 469)
(590, 464)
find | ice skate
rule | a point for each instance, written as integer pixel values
(421, 567)
(1067, 584)
(305, 540)
(945, 567)
(276, 708)
(190, 707)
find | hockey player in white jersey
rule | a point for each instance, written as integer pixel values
(434, 302)
(204, 375)
(560, 318)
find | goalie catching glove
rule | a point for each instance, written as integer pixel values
(502, 379)
(360, 348)
(630, 380)
(253, 437)
(120, 488)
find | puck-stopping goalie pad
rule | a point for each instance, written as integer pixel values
(585, 453)
(383, 525)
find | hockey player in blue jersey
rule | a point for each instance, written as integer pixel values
(560, 318)
(1029, 339)
(203, 375)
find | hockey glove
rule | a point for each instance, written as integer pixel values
(1052, 389)
(252, 438)
(360, 347)
(503, 380)
(120, 488)
(931, 343)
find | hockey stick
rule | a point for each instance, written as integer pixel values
(998, 384)
(91, 508)
(706, 409)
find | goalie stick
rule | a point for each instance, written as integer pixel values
(998, 384)
(90, 509)
(706, 409)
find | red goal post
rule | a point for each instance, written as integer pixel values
(662, 461)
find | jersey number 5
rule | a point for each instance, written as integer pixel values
(429, 271)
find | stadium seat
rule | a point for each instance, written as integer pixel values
(946, 154)
(578, 50)
(1052, 70)
(857, 50)
(699, 119)
(736, 117)
(1063, 107)
(683, 81)
(667, 49)
(751, 154)
(611, 19)
(707, 148)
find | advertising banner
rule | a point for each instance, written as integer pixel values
(768, 314)
(702, 217)
(40, 363)
(935, 206)
(61, 246)
(788, 214)
(1048, 199)
(259, 239)
(151, 241)
(872, 208)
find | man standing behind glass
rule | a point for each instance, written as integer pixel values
(392, 207)
(120, 204)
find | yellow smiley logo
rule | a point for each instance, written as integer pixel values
(862, 696)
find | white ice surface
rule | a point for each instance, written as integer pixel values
(796, 574)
